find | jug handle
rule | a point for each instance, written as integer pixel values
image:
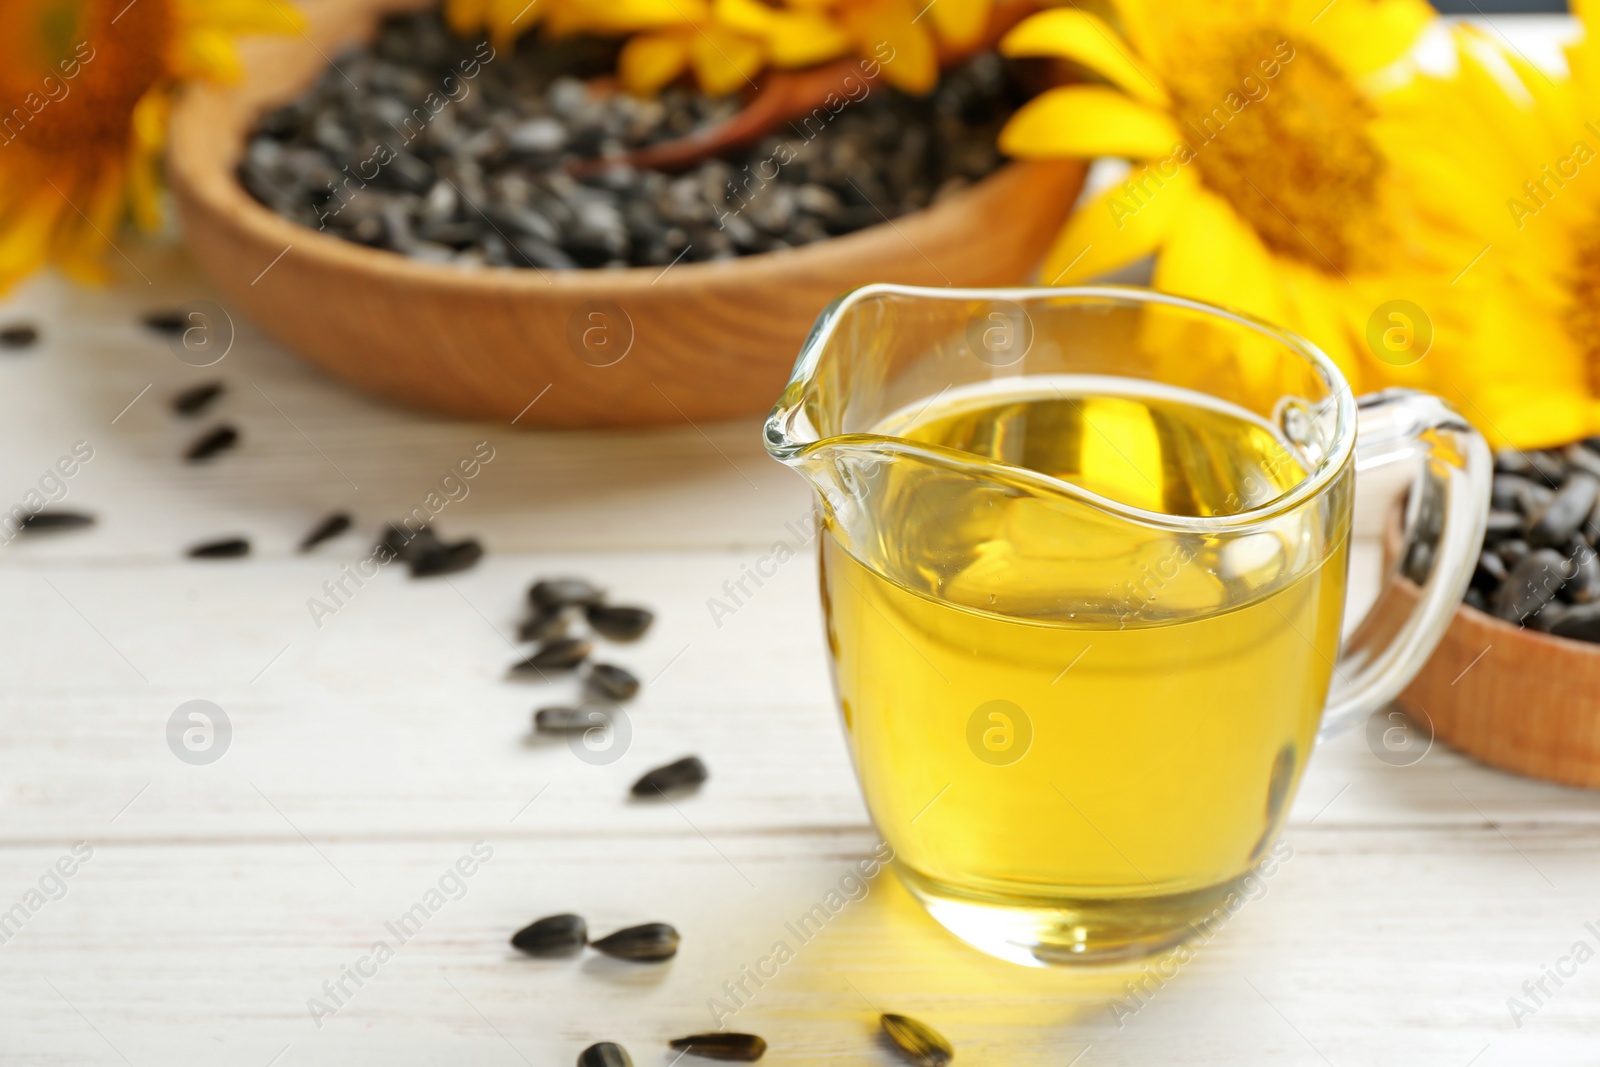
(1443, 534)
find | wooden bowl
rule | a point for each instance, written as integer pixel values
(1509, 696)
(697, 341)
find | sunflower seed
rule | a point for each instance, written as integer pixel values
(544, 625)
(605, 1054)
(1507, 491)
(21, 335)
(46, 521)
(445, 559)
(1584, 586)
(561, 719)
(1583, 458)
(326, 530)
(194, 400)
(1532, 584)
(1490, 573)
(612, 681)
(552, 593)
(554, 935)
(918, 1042)
(166, 322)
(1581, 623)
(1512, 552)
(1557, 521)
(687, 773)
(229, 548)
(1512, 461)
(212, 442)
(619, 623)
(648, 943)
(560, 654)
(405, 545)
(1548, 466)
(745, 1048)
(1503, 524)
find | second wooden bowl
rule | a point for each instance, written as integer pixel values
(1509, 696)
(596, 348)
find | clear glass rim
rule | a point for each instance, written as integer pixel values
(785, 447)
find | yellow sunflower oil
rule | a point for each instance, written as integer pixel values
(1072, 724)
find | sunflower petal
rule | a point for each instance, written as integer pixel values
(960, 23)
(1085, 39)
(889, 30)
(1122, 224)
(1087, 120)
(1367, 35)
(724, 61)
(793, 38)
(651, 60)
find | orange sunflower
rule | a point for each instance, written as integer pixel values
(84, 92)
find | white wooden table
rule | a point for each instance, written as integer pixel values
(369, 755)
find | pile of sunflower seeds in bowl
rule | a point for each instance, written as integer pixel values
(444, 149)
(1539, 567)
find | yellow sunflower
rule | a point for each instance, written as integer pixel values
(1285, 164)
(84, 89)
(1533, 191)
(727, 42)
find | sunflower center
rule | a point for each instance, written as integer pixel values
(71, 71)
(1583, 309)
(1281, 134)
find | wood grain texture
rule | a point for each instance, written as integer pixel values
(1514, 697)
(1508, 695)
(703, 341)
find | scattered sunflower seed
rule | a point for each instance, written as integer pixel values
(194, 400)
(212, 442)
(545, 625)
(554, 593)
(745, 1048)
(917, 1041)
(445, 559)
(619, 623)
(605, 1054)
(327, 529)
(166, 322)
(21, 335)
(47, 521)
(229, 548)
(405, 544)
(647, 943)
(560, 719)
(687, 773)
(612, 681)
(560, 654)
(554, 935)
